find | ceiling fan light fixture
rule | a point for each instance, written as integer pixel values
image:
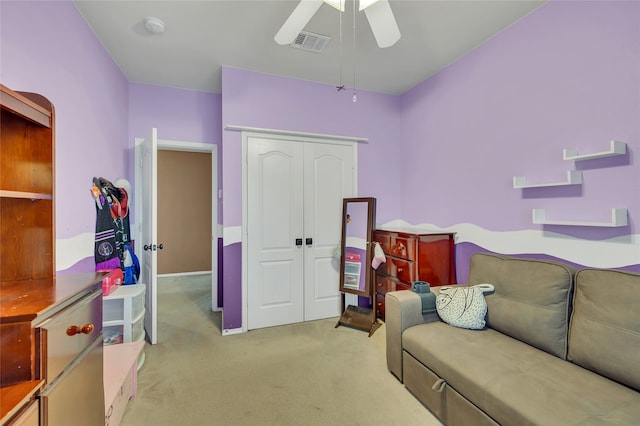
(366, 3)
(378, 12)
(154, 25)
(338, 4)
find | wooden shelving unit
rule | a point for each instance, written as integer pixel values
(26, 187)
(27, 238)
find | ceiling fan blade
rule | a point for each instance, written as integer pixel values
(383, 23)
(300, 16)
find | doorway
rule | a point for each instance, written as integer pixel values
(147, 217)
(212, 150)
(184, 212)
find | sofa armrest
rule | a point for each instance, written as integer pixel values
(403, 309)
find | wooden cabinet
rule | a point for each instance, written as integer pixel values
(50, 326)
(62, 317)
(413, 255)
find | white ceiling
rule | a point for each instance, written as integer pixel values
(202, 36)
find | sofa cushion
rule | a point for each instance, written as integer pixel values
(604, 333)
(515, 383)
(530, 301)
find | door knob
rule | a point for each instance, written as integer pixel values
(309, 241)
(298, 241)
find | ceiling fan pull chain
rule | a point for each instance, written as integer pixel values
(340, 15)
(355, 98)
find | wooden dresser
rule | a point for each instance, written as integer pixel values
(51, 350)
(413, 255)
(50, 326)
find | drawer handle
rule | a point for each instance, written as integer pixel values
(85, 329)
(400, 248)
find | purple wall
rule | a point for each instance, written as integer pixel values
(182, 115)
(179, 115)
(566, 76)
(266, 101)
(47, 48)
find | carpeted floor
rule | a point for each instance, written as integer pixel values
(301, 374)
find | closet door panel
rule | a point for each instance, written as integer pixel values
(328, 178)
(275, 221)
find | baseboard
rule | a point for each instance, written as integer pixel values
(230, 331)
(182, 274)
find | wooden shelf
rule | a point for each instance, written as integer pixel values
(25, 195)
(24, 105)
(618, 219)
(13, 398)
(574, 177)
(615, 148)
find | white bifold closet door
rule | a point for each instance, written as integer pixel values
(294, 210)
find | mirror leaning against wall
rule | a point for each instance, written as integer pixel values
(356, 275)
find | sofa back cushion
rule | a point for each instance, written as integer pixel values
(531, 301)
(604, 333)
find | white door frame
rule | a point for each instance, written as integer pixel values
(172, 145)
(294, 137)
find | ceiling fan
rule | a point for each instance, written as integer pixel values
(378, 12)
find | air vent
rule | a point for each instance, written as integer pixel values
(310, 42)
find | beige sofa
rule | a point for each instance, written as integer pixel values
(560, 348)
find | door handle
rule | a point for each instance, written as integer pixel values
(298, 241)
(309, 241)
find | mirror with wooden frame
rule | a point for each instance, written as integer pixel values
(358, 216)
(358, 222)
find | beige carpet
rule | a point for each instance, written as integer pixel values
(302, 374)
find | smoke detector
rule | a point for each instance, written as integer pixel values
(153, 25)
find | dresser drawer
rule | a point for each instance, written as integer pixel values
(69, 332)
(78, 393)
(403, 270)
(398, 245)
(385, 284)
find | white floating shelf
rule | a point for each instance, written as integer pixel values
(618, 218)
(574, 177)
(615, 148)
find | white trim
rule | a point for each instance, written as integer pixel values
(230, 331)
(280, 133)
(616, 252)
(184, 274)
(231, 235)
(243, 233)
(170, 145)
(72, 250)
